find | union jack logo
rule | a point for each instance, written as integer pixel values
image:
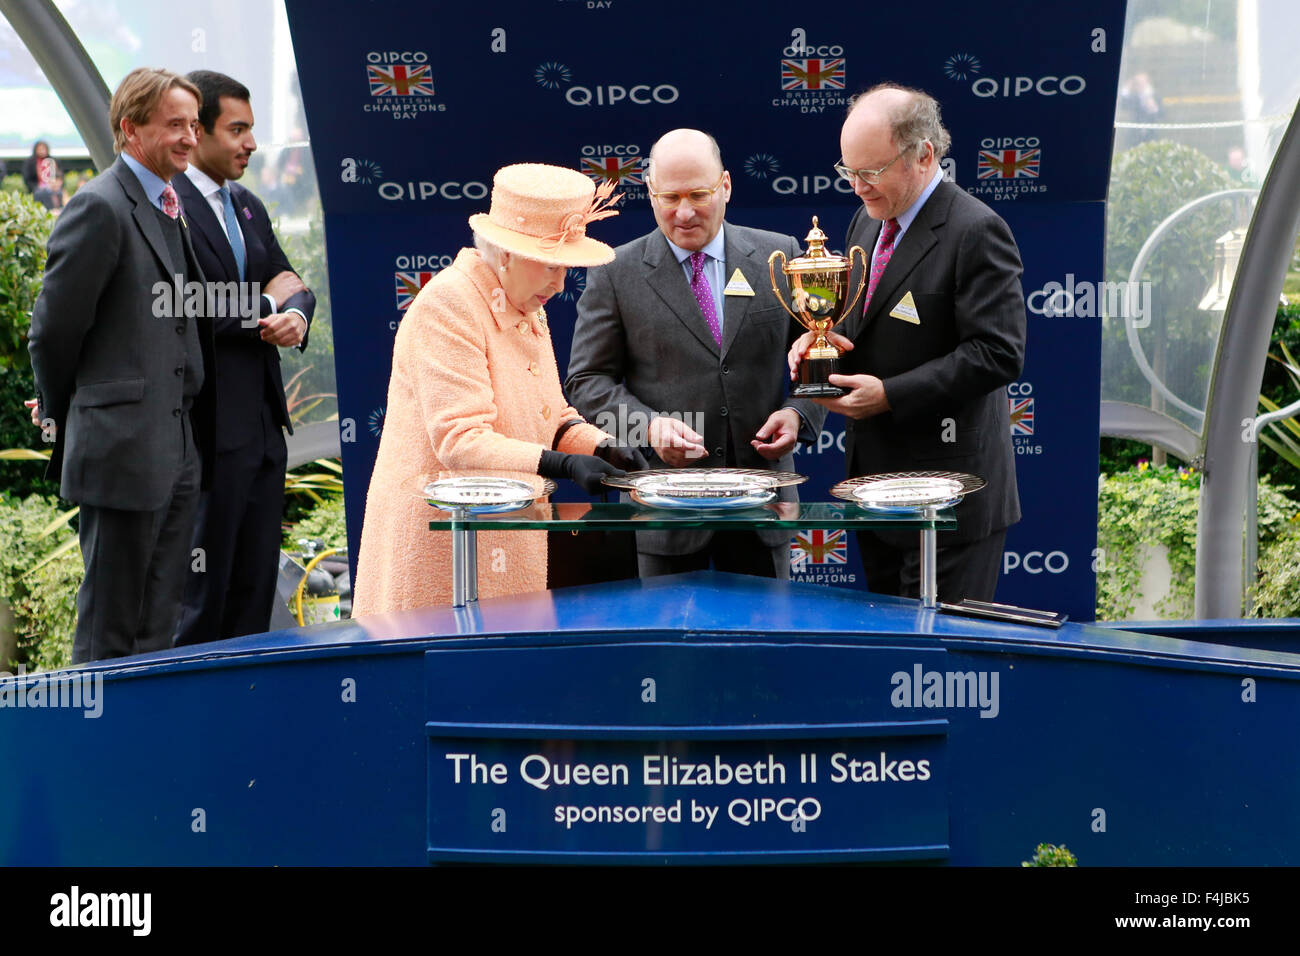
(812, 74)
(409, 285)
(624, 171)
(1022, 415)
(400, 80)
(819, 547)
(1009, 163)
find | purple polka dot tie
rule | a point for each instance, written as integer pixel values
(888, 233)
(704, 295)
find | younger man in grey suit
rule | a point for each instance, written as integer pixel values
(684, 321)
(124, 375)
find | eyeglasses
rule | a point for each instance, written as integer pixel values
(696, 197)
(870, 177)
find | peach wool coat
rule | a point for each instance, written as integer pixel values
(472, 391)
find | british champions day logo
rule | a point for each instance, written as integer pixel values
(620, 164)
(413, 274)
(819, 557)
(1020, 406)
(1008, 167)
(813, 77)
(401, 84)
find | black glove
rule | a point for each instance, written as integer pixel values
(629, 459)
(586, 471)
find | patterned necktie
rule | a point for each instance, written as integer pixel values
(887, 236)
(171, 205)
(704, 295)
(232, 230)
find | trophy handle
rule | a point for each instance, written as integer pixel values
(771, 274)
(866, 274)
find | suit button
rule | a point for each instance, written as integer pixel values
(718, 451)
(725, 370)
(180, 330)
(523, 325)
(546, 411)
(532, 367)
(723, 411)
(180, 370)
(176, 413)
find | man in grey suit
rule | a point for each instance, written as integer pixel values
(122, 356)
(941, 333)
(681, 339)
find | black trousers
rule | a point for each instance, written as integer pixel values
(238, 529)
(136, 561)
(968, 570)
(739, 552)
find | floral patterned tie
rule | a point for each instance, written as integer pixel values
(171, 205)
(887, 236)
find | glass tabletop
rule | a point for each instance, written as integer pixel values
(627, 516)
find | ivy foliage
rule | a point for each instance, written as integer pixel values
(1158, 506)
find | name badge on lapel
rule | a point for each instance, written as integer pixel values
(738, 285)
(906, 309)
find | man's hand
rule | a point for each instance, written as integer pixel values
(283, 286)
(674, 442)
(804, 342)
(778, 435)
(283, 328)
(867, 397)
(36, 412)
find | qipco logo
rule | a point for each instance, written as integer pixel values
(403, 56)
(1035, 562)
(810, 185)
(612, 94)
(1012, 86)
(426, 190)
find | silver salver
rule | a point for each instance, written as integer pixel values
(484, 494)
(908, 492)
(704, 489)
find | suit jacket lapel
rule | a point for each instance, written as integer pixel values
(146, 217)
(919, 239)
(740, 255)
(200, 214)
(667, 278)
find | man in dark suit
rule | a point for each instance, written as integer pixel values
(942, 333)
(124, 373)
(684, 321)
(231, 584)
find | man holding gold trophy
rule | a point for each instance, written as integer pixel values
(925, 357)
(680, 340)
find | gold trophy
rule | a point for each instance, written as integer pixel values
(819, 285)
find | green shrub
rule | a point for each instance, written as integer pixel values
(1049, 854)
(1148, 506)
(42, 602)
(1277, 590)
(13, 183)
(24, 230)
(324, 523)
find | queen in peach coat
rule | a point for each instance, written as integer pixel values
(475, 389)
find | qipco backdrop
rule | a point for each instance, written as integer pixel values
(413, 106)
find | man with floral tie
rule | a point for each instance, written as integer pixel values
(124, 378)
